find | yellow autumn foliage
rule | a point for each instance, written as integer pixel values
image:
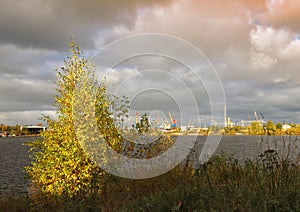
(60, 166)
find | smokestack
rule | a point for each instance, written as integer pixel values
(136, 117)
(225, 116)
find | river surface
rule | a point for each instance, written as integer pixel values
(14, 156)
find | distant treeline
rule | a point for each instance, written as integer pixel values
(16, 130)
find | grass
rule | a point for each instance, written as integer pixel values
(270, 183)
(224, 185)
(14, 204)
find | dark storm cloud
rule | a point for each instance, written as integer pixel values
(20, 95)
(50, 24)
(26, 63)
(26, 81)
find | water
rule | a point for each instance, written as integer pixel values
(245, 147)
(14, 156)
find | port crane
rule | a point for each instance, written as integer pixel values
(173, 122)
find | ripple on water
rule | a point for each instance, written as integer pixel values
(13, 157)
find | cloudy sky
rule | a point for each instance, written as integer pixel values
(252, 46)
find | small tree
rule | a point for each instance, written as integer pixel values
(60, 165)
(120, 107)
(279, 127)
(144, 124)
(270, 126)
(256, 128)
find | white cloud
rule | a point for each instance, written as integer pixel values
(268, 39)
(262, 60)
(282, 14)
(292, 50)
(280, 80)
(274, 4)
(270, 45)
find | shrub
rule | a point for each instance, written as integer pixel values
(60, 167)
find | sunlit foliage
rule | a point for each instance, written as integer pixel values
(60, 166)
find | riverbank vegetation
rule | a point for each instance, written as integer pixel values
(221, 184)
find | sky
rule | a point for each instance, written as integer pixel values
(250, 50)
